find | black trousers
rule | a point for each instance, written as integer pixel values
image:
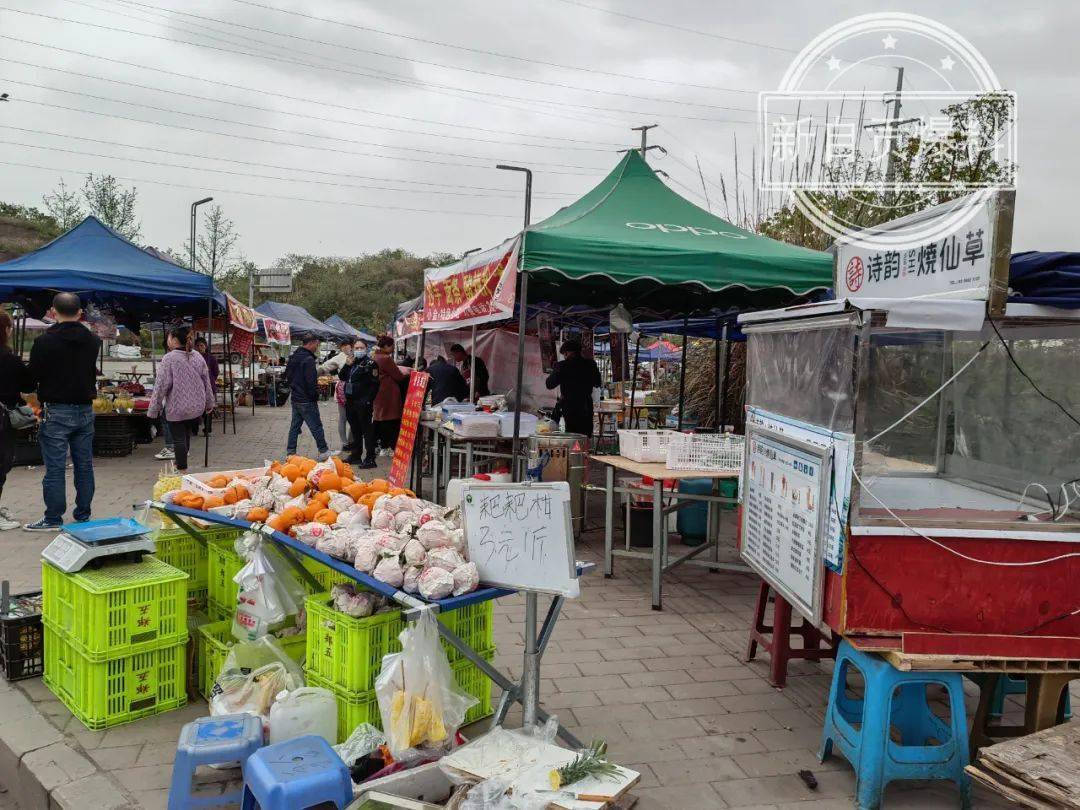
(181, 433)
(578, 418)
(359, 413)
(388, 430)
(7, 449)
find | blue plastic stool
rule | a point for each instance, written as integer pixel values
(298, 773)
(895, 699)
(212, 741)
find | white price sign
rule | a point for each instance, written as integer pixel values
(785, 502)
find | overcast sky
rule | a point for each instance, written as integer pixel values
(349, 126)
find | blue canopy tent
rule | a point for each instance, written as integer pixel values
(106, 269)
(300, 320)
(1050, 279)
(337, 322)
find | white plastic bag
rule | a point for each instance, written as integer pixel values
(253, 674)
(262, 600)
(420, 704)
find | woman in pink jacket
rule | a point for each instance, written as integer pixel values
(183, 391)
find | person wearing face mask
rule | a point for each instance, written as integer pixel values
(334, 366)
(361, 383)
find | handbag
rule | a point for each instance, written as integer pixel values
(21, 417)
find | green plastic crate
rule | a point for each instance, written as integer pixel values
(219, 613)
(352, 708)
(216, 639)
(180, 550)
(117, 609)
(348, 652)
(108, 693)
(475, 683)
(223, 563)
(474, 624)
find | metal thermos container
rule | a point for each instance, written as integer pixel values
(568, 452)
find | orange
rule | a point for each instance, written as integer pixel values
(329, 481)
(218, 481)
(291, 471)
(321, 497)
(298, 487)
(257, 514)
(327, 516)
(278, 523)
(292, 515)
(312, 509)
(355, 491)
(380, 484)
(210, 501)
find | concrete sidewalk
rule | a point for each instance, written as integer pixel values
(668, 690)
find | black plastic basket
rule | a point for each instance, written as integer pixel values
(27, 449)
(22, 645)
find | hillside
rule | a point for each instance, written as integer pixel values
(23, 229)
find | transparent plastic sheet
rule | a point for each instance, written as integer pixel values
(491, 794)
(364, 739)
(804, 374)
(253, 674)
(421, 705)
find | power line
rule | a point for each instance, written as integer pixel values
(485, 52)
(232, 103)
(262, 176)
(502, 192)
(272, 141)
(672, 26)
(297, 98)
(485, 158)
(268, 196)
(442, 65)
(380, 75)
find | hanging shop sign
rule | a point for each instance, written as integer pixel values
(241, 341)
(477, 289)
(959, 249)
(410, 424)
(242, 317)
(410, 325)
(277, 331)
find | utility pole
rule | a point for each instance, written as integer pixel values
(644, 130)
(891, 131)
(251, 287)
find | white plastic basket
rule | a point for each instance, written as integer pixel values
(644, 445)
(712, 452)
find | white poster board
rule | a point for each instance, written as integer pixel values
(842, 446)
(785, 503)
(520, 536)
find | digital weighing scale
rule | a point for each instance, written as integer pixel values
(94, 541)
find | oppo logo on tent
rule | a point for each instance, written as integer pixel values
(694, 229)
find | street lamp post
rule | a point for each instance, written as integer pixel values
(209, 311)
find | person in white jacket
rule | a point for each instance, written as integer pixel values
(333, 366)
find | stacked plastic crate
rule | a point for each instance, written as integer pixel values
(345, 654)
(115, 640)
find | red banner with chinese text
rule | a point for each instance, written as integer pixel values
(478, 289)
(241, 341)
(410, 325)
(410, 424)
(277, 331)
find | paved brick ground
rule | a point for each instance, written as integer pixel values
(668, 690)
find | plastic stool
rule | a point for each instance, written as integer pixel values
(297, 773)
(1008, 685)
(775, 639)
(895, 699)
(212, 741)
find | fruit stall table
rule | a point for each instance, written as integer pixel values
(445, 444)
(661, 564)
(412, 605)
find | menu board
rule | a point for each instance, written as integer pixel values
(786, 493)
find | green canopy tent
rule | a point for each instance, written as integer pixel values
(633, 240)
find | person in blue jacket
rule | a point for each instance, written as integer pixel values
(302, 374)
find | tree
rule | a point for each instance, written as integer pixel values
(64, 206)
(113, 204)
(948, 166)
(214, 245)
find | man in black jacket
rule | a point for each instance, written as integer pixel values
(63, 362)
(361, 379)
(446, 381)
(575, 377)
(303, 379)
(465, 361)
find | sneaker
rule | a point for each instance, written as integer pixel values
(7, 522)
(165, 454)
(327, 454)
(42, 526)
(368, 465)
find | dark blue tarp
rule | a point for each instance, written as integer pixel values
(300, 320)
(105, 269)
(1051, 279)
(339, 323)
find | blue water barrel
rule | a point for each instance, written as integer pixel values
(692, 519)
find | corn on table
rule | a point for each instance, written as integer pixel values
(661, 564)
(411, 605)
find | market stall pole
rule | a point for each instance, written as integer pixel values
(525, 691)
(209, 308)
(661, 562)
(632, 421)
(682, 369)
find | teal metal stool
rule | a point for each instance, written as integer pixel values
(929, 748)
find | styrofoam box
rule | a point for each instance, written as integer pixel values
(526, 426)
(197, 482)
